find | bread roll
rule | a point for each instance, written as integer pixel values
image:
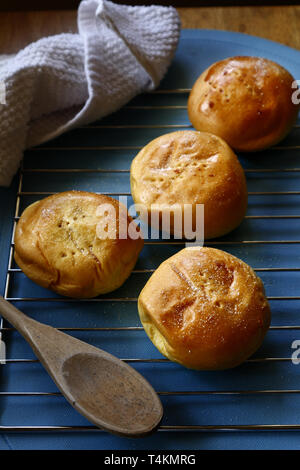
(205, 309)
(191, 167)
(245, 100)
(59, 246)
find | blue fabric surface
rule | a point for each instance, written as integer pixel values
(197, 50)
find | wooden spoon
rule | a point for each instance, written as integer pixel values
(104, 389)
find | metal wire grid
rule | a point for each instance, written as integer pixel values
(11, 270)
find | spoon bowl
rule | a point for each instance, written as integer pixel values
(107, 391)
(109, 382)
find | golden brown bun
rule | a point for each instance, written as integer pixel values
(58, 247)
(191, 167)
(205, 309)
(245, 100)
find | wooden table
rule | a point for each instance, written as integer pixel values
(280, 23)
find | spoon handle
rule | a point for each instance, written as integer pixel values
(50, 345)
(15, 317)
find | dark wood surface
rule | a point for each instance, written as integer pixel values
(279, 23)
(21, 5)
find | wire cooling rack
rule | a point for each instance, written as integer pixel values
(261, 395)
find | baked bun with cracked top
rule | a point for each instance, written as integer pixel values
(205, 309)
(58, 245)
(245, 100)
(191, 167)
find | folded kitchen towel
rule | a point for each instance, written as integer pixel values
(68, 80)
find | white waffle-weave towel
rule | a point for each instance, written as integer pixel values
(69, 80)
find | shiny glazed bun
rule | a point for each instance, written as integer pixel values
(205, 309)
(245, 100)
(59, 246)
(191, 167)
